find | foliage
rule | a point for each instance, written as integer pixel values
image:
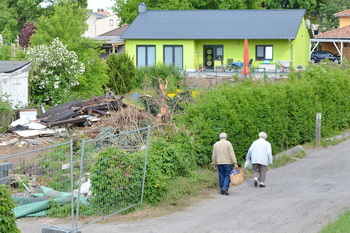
(285, 111)
(121, 73)
(8, 219)
(69, 20)
(128, 10)
(327, 8)
(147, 76)
(14, 14)
(27, 31)
(11, 52)
(5, 104)
(116, 180)
(54, 72)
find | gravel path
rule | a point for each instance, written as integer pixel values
(301, 197)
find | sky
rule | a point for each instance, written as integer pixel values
(105, 4)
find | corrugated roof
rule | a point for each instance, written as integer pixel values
(11, 66)
(342, 13)
(216, 24)
(343, 32)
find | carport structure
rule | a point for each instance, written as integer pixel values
(337, 46)
(337, 40)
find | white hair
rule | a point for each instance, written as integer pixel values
(223, 135)
(263, 135)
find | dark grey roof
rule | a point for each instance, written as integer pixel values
(11, 66)
(216, 24)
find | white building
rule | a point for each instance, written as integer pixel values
(14, 81)
(100, 23)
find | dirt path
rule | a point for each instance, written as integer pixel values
(300, 197)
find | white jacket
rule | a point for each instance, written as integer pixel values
(260, 152)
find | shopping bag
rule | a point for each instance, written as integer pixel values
(236, 177)
(248, 164)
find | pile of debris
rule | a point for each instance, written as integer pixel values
(77, 113)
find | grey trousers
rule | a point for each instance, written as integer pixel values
(259, 171)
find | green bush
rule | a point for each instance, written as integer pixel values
(116, 180)
(121, 73)
(8, 219)
(147, 76)
(285, 111)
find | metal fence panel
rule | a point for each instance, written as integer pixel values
(40, 179)
(115, 166)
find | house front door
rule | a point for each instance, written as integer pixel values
(208, 56)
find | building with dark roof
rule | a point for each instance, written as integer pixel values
(192, 38)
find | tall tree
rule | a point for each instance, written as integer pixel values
(68, 23)
(13, 15)
(127, 10)
(327, 8)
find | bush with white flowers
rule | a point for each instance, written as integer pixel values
(55, 71)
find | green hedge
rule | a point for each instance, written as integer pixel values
(7, 219)
(117, 174)
(286, 111)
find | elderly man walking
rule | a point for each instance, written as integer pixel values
(222, 159)
(260, 153)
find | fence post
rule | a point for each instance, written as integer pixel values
(318, 129)
(145, 162)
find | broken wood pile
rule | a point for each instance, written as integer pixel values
(76, 113)
(82, 112)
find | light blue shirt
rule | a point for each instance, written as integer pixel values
(260, 152)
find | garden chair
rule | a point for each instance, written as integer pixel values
(229, 65)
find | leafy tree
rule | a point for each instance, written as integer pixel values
(7, 220)
(327, 8)
(121, 72)
(68, 23)
(54, 72)
(13, 15)
(127, 10)
(8, 52)
(26, 32)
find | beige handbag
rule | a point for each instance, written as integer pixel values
(236, 177)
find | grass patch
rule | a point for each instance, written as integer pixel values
(341, 225)
(182, 192)
(284, 160)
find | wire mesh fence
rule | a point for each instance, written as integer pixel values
(113, 167)
(96, 179)
(39, 179)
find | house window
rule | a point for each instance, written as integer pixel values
(264, 52)
(111, 22)
(173, 55)
(146, 55)
(218, 52)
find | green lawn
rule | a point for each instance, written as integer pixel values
(341, 225)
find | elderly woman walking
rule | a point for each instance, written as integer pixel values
(260, 153)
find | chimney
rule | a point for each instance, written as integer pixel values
(142, 7)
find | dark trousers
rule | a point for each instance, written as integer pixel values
(259, 171)
(224, 171)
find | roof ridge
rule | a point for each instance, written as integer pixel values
(342, 13)
(328, 34)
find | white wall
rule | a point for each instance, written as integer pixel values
(16, 85)
(98, 26)
(106, 24)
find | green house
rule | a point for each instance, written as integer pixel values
(190, 39)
